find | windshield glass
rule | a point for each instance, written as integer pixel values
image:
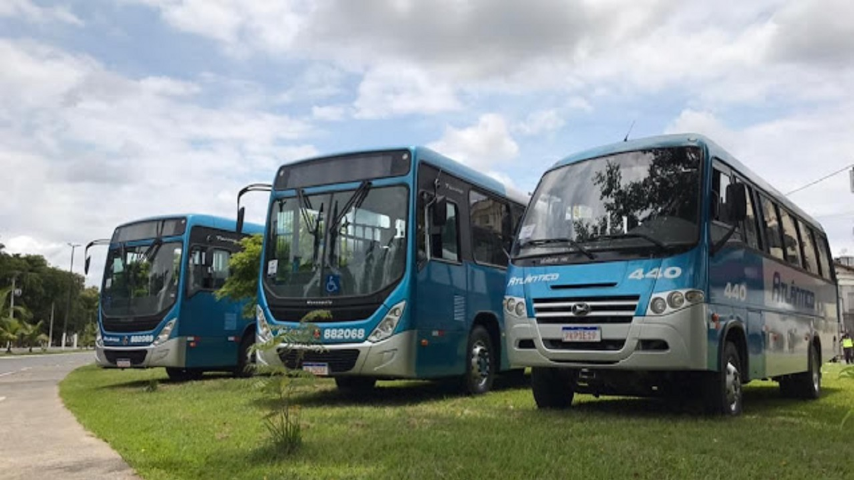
(640, 199)
(141, 280)
(365, 253)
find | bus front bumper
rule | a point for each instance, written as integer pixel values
(171, 353)
(673, 342)
(391, 358)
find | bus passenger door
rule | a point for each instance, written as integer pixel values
(213, 324)
(440, 282)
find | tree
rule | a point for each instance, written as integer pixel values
(242, 284)
(10, 331)
(31, 334)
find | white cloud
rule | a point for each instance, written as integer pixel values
(31, 12)
(482, 146)
(88, 148)
(401, 90)
(543, 121)
(329, 113)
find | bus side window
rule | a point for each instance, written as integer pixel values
(808, 245)
(751, 230)
(489, 219)
(219, 268)
(720, 219)
(445, 242)
(197, 266)
(771, 225)
(823, 259)
(790, 238)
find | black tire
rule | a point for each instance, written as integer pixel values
(553, 388)
(355, 385)
(245, 359)
(807, 385)
(480, 363)
(177, 374)
(787, 387)
(722, 392)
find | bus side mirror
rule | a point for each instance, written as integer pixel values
(440, 212)
(241, 213)
(86, 266)
(736, 200)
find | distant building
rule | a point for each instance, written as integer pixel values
(845, 278)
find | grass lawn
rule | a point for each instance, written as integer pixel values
(212, 429)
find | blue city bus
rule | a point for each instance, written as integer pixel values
(407, 250)
(663, 266)
(157, 305)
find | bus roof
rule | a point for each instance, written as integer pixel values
(450, 165)
(682, 140)
(204, 221)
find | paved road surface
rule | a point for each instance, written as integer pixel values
(39, 438)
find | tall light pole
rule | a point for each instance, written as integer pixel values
(70, 287)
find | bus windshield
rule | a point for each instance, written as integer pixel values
(317, 249)
(646, 199)
(141, 280)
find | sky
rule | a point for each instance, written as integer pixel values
(112, 111)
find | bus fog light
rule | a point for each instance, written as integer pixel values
(164, 334)
(658, 305)
(694, 296)
(519, 310)
(676, 300)
(386, 327)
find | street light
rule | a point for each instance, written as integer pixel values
(70, 287)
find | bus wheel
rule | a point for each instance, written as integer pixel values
(723, 389)
(807, 385)
(177, 374)
(553, 387)
(245, 357)
(355, 385)
(480, 364)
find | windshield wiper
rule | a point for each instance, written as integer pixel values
(355, 201)
(648, 238)
(557, 241)
(152, 250)
(313, 227)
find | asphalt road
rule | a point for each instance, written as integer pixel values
(39, 438)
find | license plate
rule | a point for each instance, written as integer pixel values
(320, 369)
(582, 334)
(123, 363)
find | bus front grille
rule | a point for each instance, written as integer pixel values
(603, 346)
(586, 310)
(338, 314)
(136, 357)
(130, 324)
(339, 361)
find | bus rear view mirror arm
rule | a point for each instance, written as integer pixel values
(102, 241)
(440, 211)
(241, 211)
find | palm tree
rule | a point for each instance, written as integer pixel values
(32, 334)
(10, 328)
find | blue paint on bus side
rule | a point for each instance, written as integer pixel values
(207, 332)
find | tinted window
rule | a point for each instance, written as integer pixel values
(150, 229)
(751, 228)
(823, 260)
(488, 218)
(721, 224)
(790, 238)
(345, 168)
(773, 242)
(445, 244)
(219, 268)
(808, 244)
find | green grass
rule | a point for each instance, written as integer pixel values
(212, 429)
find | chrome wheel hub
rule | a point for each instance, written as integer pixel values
(480, 363)
(733, 386)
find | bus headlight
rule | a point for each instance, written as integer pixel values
(514, 306)
(388, 323)
(263, 328)
(99, 342)
(671, 301)
(164, 334)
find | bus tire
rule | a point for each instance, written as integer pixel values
(553, 388)
(355, 385)
(480, 363)
(245, 361)
(807, 385)
(723, 392)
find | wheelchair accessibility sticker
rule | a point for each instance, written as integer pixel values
(333, 284)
